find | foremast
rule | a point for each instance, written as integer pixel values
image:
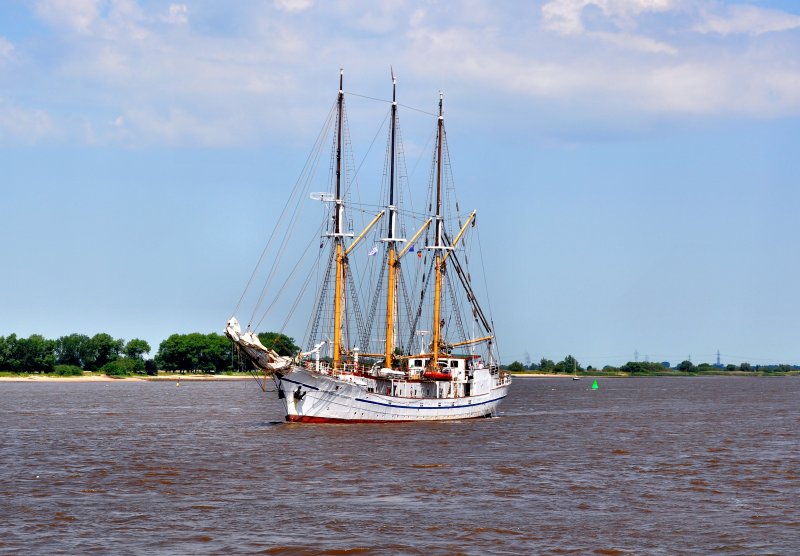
(341, 250)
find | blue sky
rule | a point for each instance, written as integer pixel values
(634, 162)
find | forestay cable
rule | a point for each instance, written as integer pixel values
(323, 133)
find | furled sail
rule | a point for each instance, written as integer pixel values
(249, 343)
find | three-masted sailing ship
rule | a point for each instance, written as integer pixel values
(425, 349)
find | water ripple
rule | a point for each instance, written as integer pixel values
(656, 466)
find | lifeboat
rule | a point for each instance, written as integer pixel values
(434, 375)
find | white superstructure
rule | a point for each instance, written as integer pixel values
(327, 397)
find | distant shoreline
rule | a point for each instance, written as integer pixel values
(542, 375)
(664, 374)
(224, 378)
(105, 378)
(556, 375)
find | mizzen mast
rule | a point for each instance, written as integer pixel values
(438, 245)
(338, 235)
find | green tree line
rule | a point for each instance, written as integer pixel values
(569, 365)
(75, 353)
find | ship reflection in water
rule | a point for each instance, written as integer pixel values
(661, 465)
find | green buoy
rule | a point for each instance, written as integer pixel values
(594, 385)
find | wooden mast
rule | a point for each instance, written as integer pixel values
(391, 240)
(437, 299)
(338, 235)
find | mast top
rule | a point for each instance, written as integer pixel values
(441, 97)
(394, 85)
(341, 78)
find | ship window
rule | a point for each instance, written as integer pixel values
(454, 362)
(418, 362)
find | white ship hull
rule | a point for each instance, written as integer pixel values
(362, 366)
(311, 397)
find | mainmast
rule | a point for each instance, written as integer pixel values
(338, 219)
(438, 246)
(392, 261)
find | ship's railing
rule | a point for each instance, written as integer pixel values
(347, 368)
(324, 367)
(353, 368)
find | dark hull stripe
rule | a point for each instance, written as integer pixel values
(430, 407)
(398, 406)
(300, 383)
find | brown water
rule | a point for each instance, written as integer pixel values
(640, 466)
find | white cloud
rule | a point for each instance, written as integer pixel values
(180, 126)
(138, 80)
(474, 58)
(623, 11)
(114, 20)
(76, 15)
(6, 50)
(417, 17)
(23, 125)
(636, 42)
(566, 16)
(125, 20)
(293, 5)
(177, 14)
(735, 86)
(744, 19)
(694, 82)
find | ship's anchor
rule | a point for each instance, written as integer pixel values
(299, 394)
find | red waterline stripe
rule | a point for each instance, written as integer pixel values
(336, 421)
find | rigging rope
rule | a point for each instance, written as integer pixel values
(323, 132)
(359, 318)
(455, 306)
(306, 251)
(316, 322)
(486, 287)
(296, 301)
(389, 102)
(408, 306)
(375, 298)
(364, 158)
(271, 276)
(426, 278)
